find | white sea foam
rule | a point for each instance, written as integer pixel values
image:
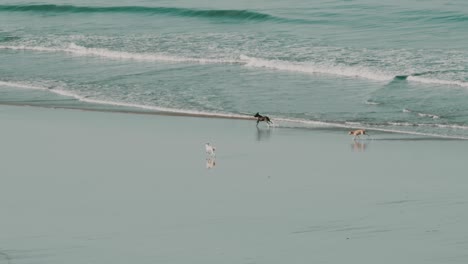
(120, 55)
(400, 124)
(76, 49)
(353, 123)
(295, 122)
(418, 133)
(437, 81)
(21, 85)
(422, 114)
(78, 97)
(281, 65)
(279, 122)
(447, 126)
(310, 123)
(452, 126)
(429, 115)
(354, 72)
(34, 48)
(369, 102)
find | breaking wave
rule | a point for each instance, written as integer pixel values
(63, 92)
(278, 121)
(253, 62)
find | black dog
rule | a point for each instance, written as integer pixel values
(262, 118)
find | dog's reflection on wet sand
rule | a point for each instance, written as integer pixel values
(263, 134)
(357, 146)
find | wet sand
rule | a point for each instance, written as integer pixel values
(97, 187)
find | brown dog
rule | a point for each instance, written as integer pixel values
(357, 133)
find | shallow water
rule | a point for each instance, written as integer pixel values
(387, 66)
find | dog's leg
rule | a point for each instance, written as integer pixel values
(368, 136)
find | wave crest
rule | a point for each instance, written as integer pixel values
(174, 11)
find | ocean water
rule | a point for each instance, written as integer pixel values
(397, 66)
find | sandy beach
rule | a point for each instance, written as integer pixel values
(96, 187)
(106, 107)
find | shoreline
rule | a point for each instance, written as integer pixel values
(115, 188)
(319, 125)
(142, 112)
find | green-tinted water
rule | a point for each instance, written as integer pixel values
(399, 66)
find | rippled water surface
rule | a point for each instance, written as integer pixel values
(399, 67)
